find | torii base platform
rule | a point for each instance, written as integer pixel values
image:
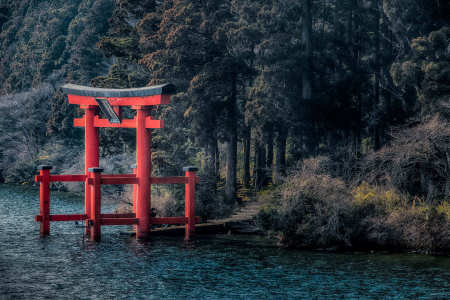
(110, 102)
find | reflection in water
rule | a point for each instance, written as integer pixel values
(189, 244)
(66, 266)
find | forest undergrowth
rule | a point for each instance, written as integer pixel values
(395, 201)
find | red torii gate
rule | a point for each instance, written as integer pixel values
(110, 102)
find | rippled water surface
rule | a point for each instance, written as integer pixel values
(63, 266)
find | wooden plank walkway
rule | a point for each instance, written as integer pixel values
(240, 222)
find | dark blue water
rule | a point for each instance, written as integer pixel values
(64, 266)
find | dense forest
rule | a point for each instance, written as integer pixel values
(334, 113)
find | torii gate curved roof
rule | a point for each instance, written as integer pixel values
(80, 90)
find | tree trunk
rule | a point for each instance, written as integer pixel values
(307, 44)
(260, 174)
(231, 146)
(280, 160)
(447, 183)
(358, 136)
(354, 40)
(211, 156)
(386, 96)
(256, 172)
(230, 184)
(269, 158)
(255, 160)
(217, 159)
(307, 76)
(246, 176)
(378, 70)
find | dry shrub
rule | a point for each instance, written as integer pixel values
(163, 204)
(444, 209)
(389, 219)
(439, 227)
(313, 166)
(210, 205)
(417, 162)
(376, 200)
(401, 229)
(315, 209)
(409, 228)
(123, 199)
(166, 205)
(342, 163)
(421, 228)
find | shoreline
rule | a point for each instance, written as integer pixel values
(235, 229)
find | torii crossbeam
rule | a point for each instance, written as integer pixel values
(110, 102)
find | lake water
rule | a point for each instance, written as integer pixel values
(64, 266)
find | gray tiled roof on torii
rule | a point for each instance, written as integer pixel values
(163, 89)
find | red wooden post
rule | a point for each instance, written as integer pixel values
(134, 195)
(134, 189)
(44, 194)
(143, 173)
(96, 198)
(189, 209)
(91, 153)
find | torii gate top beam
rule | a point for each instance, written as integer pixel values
(152, 95)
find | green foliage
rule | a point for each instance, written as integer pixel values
(120, 46)
(427, 70)
(43, 40)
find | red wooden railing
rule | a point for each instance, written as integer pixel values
(95, 218)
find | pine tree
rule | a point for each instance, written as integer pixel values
(188, 45)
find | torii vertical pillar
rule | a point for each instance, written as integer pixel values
(91, 153)
(143, 172)
(189, 209)
(44, 195)
(96, 200)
